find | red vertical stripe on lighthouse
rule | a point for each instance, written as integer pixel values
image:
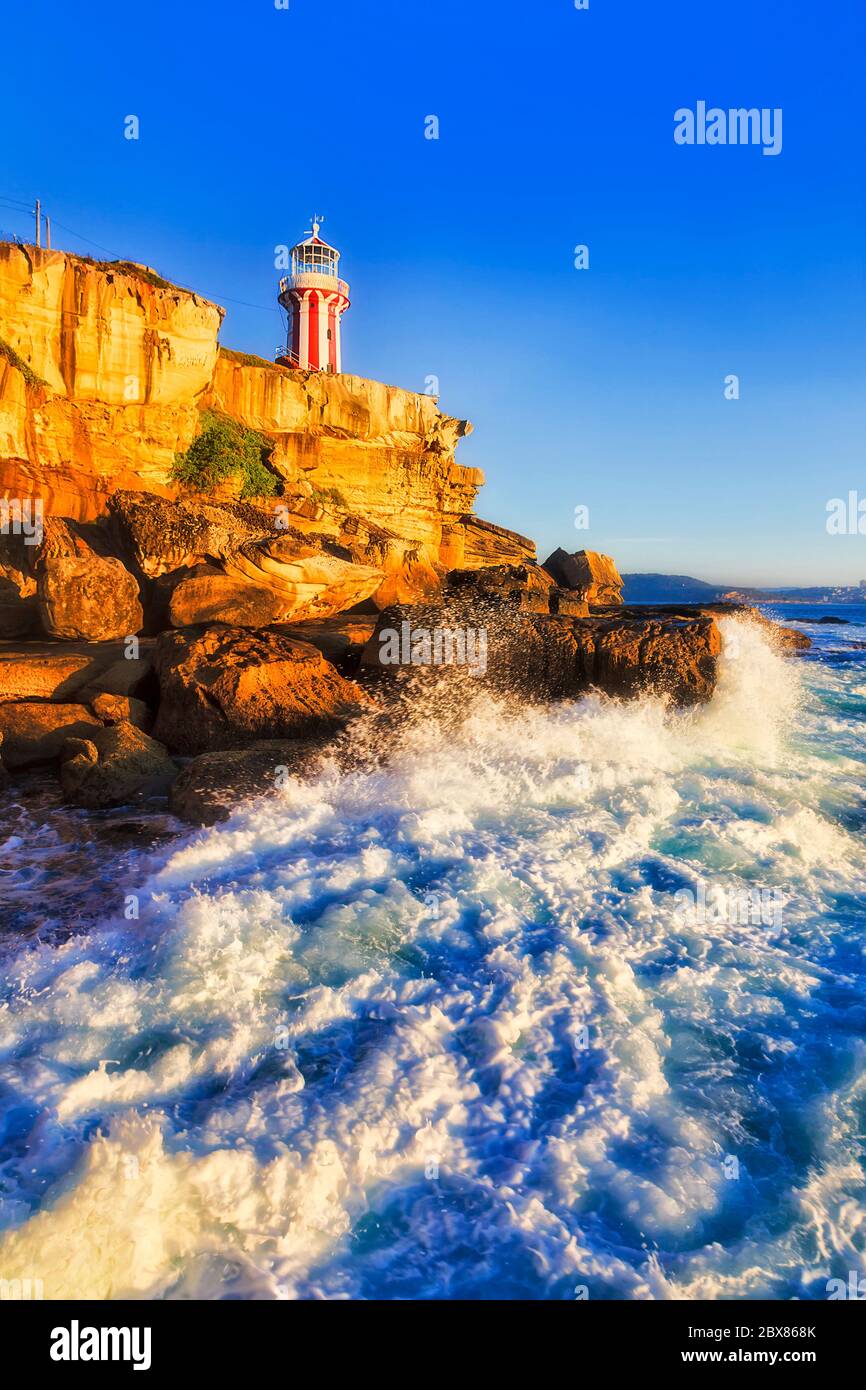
(332, 341)
(313, 351)
(296, 328)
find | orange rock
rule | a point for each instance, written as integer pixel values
(35, 733)
(220, 598)
(312, 579)
(593, 575)
(91, 598)
(223, 687)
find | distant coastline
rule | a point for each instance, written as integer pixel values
(683, 588)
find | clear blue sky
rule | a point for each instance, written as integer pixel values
(602, 387)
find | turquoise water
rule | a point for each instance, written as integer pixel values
(571, 1001)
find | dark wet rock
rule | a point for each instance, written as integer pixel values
(525, 587)
(114, 765)
(210, 787)
(537, 656)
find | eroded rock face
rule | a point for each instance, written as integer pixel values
(527, 587)
(545, 656)
(364, 447)
(113, 369)
(308, 580)
(35, 732)
(113, 765)
(223, 687)
(161, 536)
(119, 360)
(595, 577)
(213, 784)
(19, 615)
(220, 598)
(484, 543)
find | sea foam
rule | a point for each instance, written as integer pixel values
(437, 1026)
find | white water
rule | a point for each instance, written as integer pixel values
(441, 1029)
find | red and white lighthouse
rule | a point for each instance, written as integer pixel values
(315, 299)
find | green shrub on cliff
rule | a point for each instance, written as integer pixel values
(224, 449)
(7, 351)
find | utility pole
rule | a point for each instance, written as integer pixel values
(38, 223)
(47, 232)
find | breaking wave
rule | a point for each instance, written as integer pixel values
(442, 1028)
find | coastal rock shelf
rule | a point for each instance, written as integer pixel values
(174, 631)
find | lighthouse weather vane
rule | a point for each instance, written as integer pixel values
(317, 220)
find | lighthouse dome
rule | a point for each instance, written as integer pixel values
(315, 256)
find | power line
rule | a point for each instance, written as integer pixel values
(72, 232)
(265, 308)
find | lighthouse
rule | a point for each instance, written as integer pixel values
(315, 299)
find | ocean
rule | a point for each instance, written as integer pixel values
(566, 1003)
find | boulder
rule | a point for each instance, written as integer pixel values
(120, 709)
(213, 784)
(71, 670)
(220, 598)
(114, 765)
(309, 577)
(224, 687)
(42, 675)
(34, 732)
(82, 594)
(526, 587)
(593, 575)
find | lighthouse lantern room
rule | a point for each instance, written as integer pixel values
(315, 299)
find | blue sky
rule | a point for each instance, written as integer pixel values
(602, 388)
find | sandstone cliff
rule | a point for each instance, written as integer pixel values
(105, 369)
